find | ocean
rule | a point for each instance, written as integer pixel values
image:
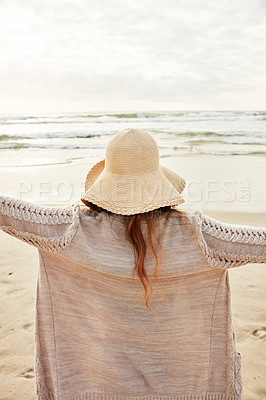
(44, 139)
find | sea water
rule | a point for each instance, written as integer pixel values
(42, 139)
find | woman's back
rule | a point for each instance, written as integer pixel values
(94, 337)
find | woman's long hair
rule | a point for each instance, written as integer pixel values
(135, 236)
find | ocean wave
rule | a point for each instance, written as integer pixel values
(197, 146)
(206, 134)
(47, 145)
(231, 153)
(79, 134)
(13, 146)
(134, 117)
(227, 140)
(50, 135)
(197, 142)
(177, 132)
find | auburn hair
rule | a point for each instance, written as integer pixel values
(135, 236)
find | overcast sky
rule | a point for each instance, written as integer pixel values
(83, 55)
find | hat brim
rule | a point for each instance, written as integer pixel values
(177, 181)
(134, 193)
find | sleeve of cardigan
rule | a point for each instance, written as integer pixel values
(47, 228)
(227, 245)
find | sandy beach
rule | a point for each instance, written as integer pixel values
(19, 267)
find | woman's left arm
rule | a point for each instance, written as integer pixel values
(47, 228)
(227, 245)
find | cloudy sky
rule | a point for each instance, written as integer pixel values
(83, 55)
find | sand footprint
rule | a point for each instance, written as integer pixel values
(11, 291)
(4, 282)
(27, 326)
(28, 373)
(260, 333)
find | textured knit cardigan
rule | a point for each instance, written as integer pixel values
(96, 340)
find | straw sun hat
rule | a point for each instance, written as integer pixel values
(131, 180)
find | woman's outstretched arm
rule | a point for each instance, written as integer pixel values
(47, 228)
(229, 245)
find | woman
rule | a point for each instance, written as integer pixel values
(129, 243)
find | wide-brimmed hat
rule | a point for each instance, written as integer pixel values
(131, 180)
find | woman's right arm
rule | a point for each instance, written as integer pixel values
(227, 245)
(47, 228)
